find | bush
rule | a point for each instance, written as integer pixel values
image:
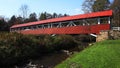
(48, 43)
(85, 38)
(45, 44)
(64, 42)
(16, 47)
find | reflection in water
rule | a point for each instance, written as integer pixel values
(50, 60)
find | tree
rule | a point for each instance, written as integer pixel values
(115, 4)
(100, 5)
(116, 13)
(32, 17)
(60, 15)
(42, 16)
(24, 11)
(45, 15)
(95, 5)
(3, 25)
(26, 20)
(20, 20)
(48, 16)
(66, 15)
(54, 15)
(87, 6)
(12, 21)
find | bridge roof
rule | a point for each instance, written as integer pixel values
(68, 18)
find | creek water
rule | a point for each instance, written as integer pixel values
(52, 59)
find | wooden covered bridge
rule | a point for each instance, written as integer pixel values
(91, 23)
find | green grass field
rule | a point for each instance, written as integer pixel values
(104, 54)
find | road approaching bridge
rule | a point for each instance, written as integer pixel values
(91, 23)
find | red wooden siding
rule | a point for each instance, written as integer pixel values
(98, 28)
(75, 17)
(69, 30)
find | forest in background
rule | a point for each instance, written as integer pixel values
(88, 7)
(17, 49)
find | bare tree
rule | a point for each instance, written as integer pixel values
(87, 6)
(24, 11)
(116, 13)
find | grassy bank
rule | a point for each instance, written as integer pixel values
(101, 55)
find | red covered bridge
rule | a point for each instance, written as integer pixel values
(91, 23)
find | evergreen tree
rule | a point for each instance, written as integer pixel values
(42, 16)
(48, 16)
(45, 15)
(19, 20)
(32, 17)
(60, 15)
(54, 15)
(26, 20)
(3, 25)
(12, 21)
(65, 15)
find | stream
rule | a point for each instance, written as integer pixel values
(52, 59)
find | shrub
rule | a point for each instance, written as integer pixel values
(16, 47)
(85, 38)
(50, 43)
(64, 42)
(45, 44)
